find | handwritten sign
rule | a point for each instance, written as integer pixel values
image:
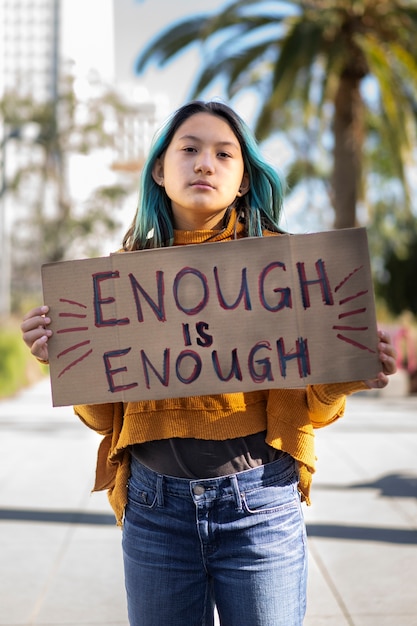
(256, 313)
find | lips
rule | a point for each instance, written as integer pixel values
(201, 183)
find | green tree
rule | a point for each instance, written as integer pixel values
(314, 58)
(397, 285)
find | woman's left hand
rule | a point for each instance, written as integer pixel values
(388, 357)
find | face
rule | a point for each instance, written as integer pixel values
(202, 171)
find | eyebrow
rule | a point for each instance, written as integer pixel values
(218, 143)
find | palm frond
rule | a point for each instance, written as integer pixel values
(237, 69)
(172, 41)
(393, 102)
(294, 68)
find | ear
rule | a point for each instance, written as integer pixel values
(244, 185)
(158, 172)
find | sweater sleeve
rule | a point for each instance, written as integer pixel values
(99, 417)
(326, 402)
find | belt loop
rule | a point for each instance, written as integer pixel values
(159, 490)
(236, 491)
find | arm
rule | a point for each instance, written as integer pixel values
(100, 417)
(327, 402)
(35, 331)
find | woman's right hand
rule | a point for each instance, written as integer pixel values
(36, 333)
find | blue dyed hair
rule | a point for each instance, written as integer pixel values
(260, 207)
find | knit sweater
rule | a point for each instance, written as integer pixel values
(289, 416)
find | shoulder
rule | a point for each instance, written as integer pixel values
(270, 233)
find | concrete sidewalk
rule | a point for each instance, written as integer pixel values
(61, 560)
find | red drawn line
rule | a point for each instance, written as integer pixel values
(347, 278)
(357, 295)
(75, 363)
(73, 302)
(71, 330)
(350, 327)
(355, 343)
(77, 345)
(352, 313)
(78, 315)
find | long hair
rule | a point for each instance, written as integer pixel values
(259, 208)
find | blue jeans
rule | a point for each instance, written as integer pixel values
(237, 542)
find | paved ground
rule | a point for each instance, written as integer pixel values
(60, 562)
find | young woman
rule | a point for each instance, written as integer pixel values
(209, 489)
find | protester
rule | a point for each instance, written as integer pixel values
(208, 489)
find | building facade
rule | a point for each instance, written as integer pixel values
(29, 61)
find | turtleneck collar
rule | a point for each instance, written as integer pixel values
(234, 230)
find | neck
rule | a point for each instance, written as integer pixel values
(193, 222)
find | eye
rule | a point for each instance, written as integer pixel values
(189, 149)
(224, 155)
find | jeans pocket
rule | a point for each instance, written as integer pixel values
(270, 499)
(141, 495)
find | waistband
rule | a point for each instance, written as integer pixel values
(281, 471)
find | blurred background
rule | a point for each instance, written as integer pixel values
(329, 87)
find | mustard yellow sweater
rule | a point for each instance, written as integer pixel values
(288, 416)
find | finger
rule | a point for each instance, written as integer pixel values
(30, 337)
(389, 366)
(388, 350)
(36, 315)
(36, 327)
(39, 344)
(36, 312)
(37, 321)
(388, 358)
(379, 382)
(382, 380)
(39, 348)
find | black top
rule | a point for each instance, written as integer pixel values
(199, 458)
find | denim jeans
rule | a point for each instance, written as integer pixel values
(237, 542)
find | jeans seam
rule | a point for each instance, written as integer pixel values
(200, 540)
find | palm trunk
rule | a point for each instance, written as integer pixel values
(348, 141)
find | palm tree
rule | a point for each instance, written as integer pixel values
(317, 57)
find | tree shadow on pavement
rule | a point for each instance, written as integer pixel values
(403, 536)
(389, 486)
(57, 517)
(396, 485)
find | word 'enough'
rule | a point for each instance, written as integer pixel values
(271, 299)
(188, 365)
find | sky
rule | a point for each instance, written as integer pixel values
(86, 35)
(88, 39)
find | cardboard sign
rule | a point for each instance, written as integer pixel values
(223, 317)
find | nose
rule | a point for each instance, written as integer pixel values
(204, 162)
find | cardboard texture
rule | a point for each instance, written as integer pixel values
(256, 313)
